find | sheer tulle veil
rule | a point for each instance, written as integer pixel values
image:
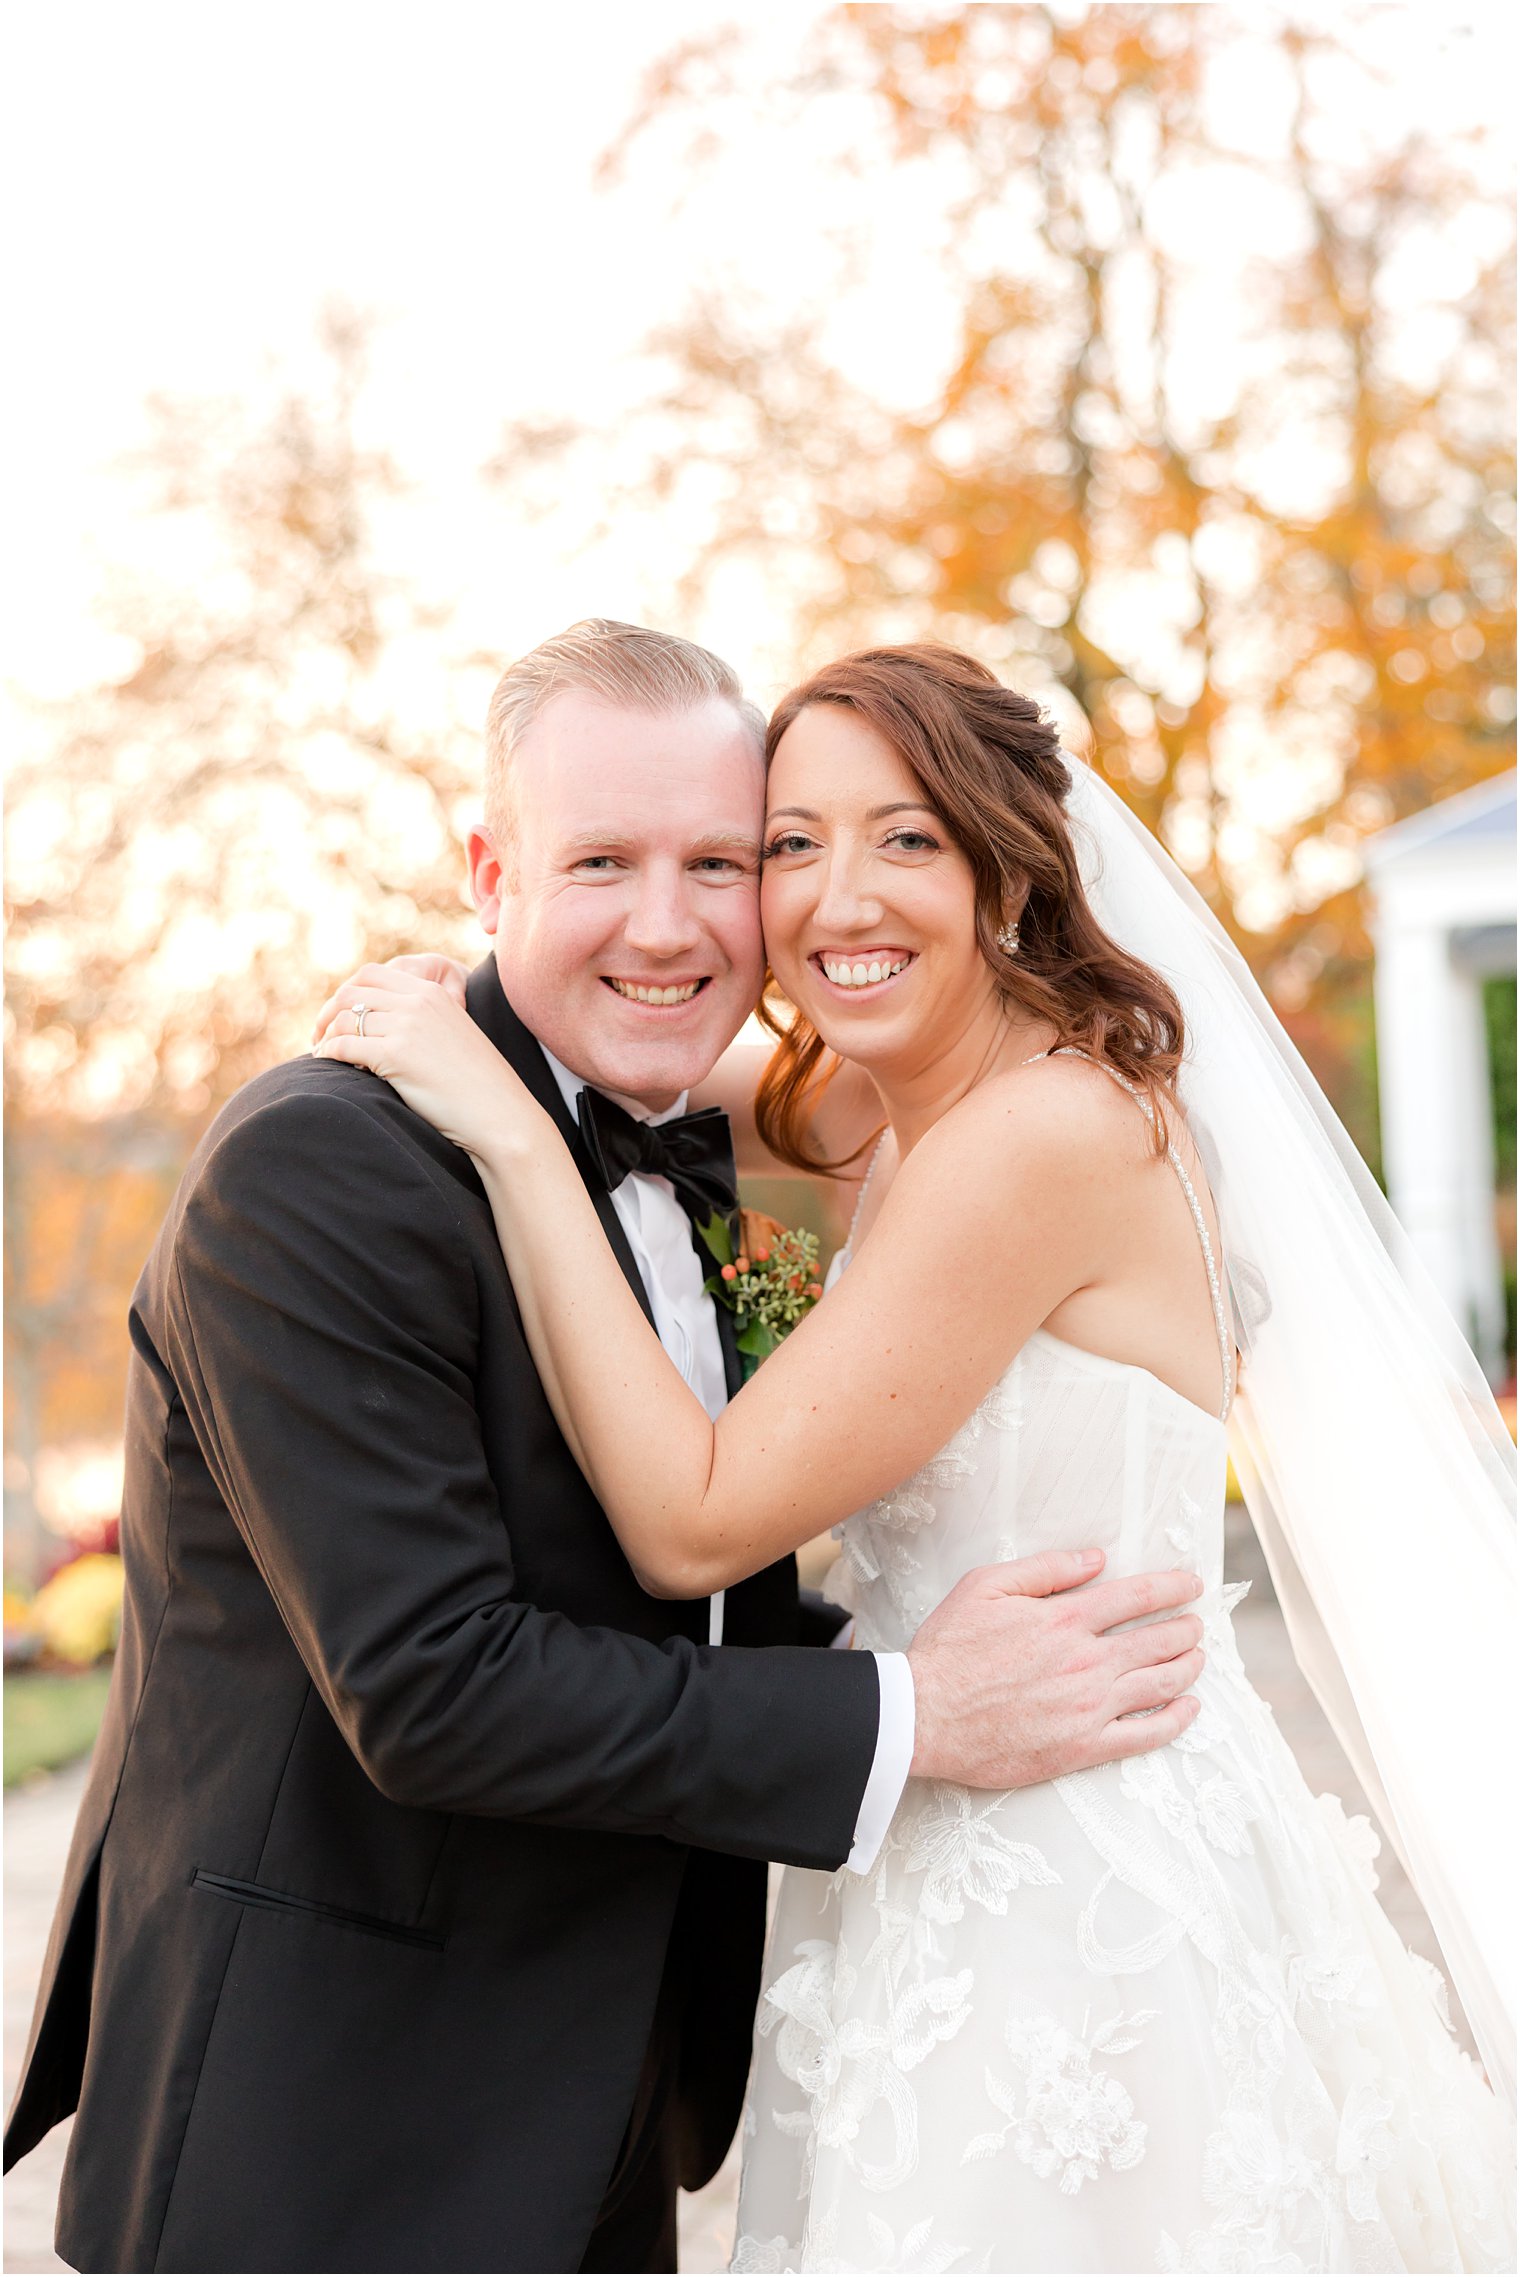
(1374, 1462)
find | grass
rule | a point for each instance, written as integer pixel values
(50, 1717)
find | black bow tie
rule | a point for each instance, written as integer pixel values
(695, 1152)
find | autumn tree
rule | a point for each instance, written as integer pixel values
(197, 845)
(1218, 456)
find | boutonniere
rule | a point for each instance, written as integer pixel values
(767, 1278)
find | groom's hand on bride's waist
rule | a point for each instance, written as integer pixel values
(1019, 1675)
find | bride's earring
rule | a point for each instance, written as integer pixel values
(1008, 939)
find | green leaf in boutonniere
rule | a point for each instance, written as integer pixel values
(717, 1239)
(769, 1284)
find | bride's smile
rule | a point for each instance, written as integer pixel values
(854, 969)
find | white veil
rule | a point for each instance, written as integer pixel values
(1375, 1465)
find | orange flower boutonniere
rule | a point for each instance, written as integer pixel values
(767, 1278)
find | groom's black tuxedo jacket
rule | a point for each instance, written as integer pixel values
(406, 1792)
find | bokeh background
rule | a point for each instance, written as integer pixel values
(1162, 355)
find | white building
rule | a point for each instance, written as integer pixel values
(1443, 921)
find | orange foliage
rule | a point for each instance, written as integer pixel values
(79, 1226)
(1296, 576)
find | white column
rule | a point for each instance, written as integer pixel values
(1473, 1099)
(1425, 1087)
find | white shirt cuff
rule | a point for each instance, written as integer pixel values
(893, 1760)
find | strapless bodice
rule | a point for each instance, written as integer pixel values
(1068, 1451)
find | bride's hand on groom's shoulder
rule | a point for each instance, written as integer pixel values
(449, 973)
(415, 1032)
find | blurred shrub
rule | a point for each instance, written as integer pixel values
(22, 1642)
(78, 1613)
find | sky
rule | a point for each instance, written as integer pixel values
(193, 183)
(189, 184)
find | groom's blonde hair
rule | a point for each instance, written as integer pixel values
(625, 664)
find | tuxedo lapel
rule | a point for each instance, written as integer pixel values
(489, 1009)
(762, 1610)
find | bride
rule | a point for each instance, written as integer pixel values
(1149, 2015)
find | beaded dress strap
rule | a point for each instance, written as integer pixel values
(1216, 1294)
(860, 1200)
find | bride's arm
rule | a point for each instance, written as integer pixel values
(845, 1116)
(990, 1222)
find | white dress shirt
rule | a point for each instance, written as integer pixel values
(659, 1235)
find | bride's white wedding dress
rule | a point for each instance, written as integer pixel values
(1146, 2017)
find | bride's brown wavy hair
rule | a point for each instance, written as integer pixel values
(989, 764)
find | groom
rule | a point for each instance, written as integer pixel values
(413, 1916)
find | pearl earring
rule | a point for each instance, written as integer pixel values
(1008, 939)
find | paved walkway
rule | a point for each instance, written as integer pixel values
(38, 1820)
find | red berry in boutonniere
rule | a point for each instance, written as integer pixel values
(768, 1280)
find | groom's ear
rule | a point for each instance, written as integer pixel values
(487, 877)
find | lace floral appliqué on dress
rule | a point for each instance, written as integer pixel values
(1149, 2016)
